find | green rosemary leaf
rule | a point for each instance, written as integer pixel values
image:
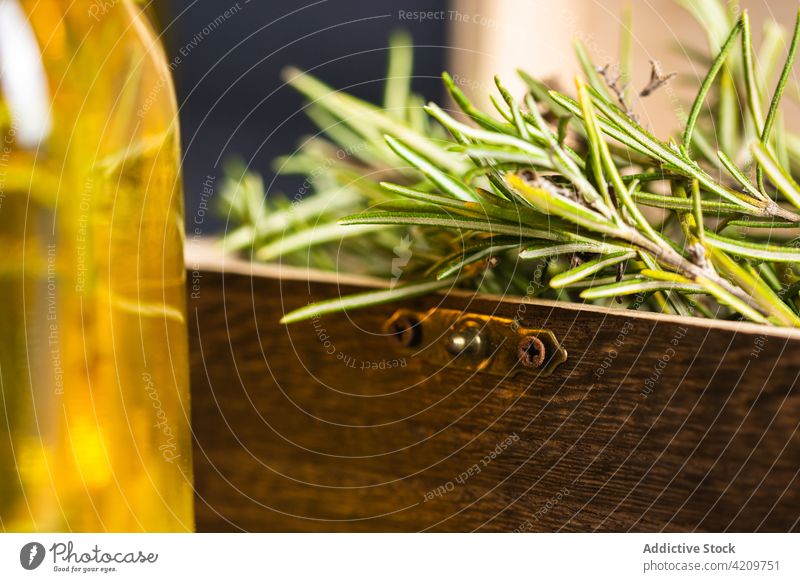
(499, 183)
(467, 107)
(308, 238)
(551, 203)
(665, 153)
(345, 137)
(563, 158)
(772, 112)
(753, 250)
(249, 191)
(346, 179)
(768, 224)
(367, 299)
(600, 281)
(727, 298)
(673, 203)
(456, 265)
(484, 207)
(485, 169)
(750, 78)
(637, 286)
(644, 177)
(542, 251)
(590, 268)
(238, 239)
(773, 43)
(791, 292)
(482, 135)
(703, 146)
(705, 87)
(563, 129)
(406, 206)
(502, 109)
(697, 212)
(564, 161)
(787, 69)
(610, 169)
(541, 93)
(626, 52)
(752, 284)
(461, 224)
(599, 155)
(781, 142)
(359, 114)
(668, 301)
(713, 17)
(662, 275)
(610, 129)
(494, 199)
(728, 113)
(519, 122)
(776, 174)
(588, 68)
(277, 222)
(768, 274)
(685, 219)
(398, 77)
(506, 154)
(739, 176)
(447, 183)
(433, 199)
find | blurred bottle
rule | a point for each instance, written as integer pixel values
(94, 397)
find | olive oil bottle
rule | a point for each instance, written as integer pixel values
(94, 400)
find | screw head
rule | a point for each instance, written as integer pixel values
(531, 352)
(405, 331)
(469, 338)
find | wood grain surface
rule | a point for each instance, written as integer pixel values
(652, 424)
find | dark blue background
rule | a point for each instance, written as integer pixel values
(226, 77)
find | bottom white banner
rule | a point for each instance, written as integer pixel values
(371, 557)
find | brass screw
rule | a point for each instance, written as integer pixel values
(470, 339)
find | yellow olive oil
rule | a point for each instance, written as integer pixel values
(94, 398)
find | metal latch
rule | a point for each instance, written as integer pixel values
(480, 343)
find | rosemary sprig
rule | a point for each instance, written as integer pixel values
(549, 197)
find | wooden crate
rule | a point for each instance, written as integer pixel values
(653, 423)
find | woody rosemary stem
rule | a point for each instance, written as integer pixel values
(670, 258)
(774, 211)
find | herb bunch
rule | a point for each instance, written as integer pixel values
(547, 196)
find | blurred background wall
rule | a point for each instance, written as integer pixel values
(538, 35)
(227, 57)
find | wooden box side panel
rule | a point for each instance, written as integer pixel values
(650, 425)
